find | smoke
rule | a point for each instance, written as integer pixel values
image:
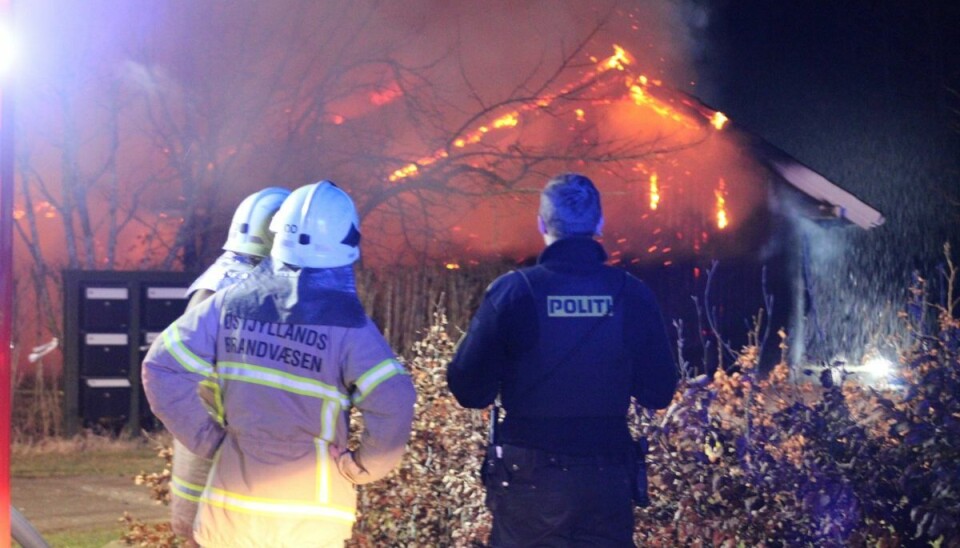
(142, 77)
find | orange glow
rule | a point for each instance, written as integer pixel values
(720, 193)
(654, 192)
(384, 96)
(615, 103)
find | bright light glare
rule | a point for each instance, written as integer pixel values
(878, 367)
(8, 49)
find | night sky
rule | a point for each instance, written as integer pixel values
(866, 92)
(859, 90)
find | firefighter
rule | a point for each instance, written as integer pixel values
(290, 351)
(248, 242)
(564, 345)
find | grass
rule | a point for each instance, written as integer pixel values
(83, 456)
(87, 538)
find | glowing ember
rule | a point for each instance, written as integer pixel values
(403, 172)
(387, 95)
(720, 193)
(718, 120)
(508, 120)
(581, 116)
(654, 192)
(452, 266)
(619, 60)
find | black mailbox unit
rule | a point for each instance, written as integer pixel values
(110, 320)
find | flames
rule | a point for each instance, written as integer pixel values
(654, 192)
(618, 61)
(718, 120)
(721, 195)
(612, 80)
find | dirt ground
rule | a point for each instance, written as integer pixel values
(82, 502)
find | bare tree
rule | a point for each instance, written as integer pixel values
(155, 120)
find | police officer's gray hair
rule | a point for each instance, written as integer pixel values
(570, 206)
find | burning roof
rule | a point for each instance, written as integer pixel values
(675, 173)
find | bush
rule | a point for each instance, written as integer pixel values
(435, 498)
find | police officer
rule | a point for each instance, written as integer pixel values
(248, 242)
(564, 345)
(290, 351)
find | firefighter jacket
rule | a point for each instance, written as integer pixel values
(289, 352)
(565, 344)
(189, 474)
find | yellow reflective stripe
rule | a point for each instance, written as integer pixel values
(376, 375)
(278, 379)
(323, 472)
(185, 489)
(328, 419)
(214, 386)
(264, 506)
(183, 355)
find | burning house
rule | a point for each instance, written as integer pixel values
(711, 216)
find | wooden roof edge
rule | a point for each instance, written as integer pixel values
(816, 186)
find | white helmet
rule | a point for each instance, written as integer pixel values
(250, 228)
(316, 227)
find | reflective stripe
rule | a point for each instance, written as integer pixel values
(213, 385)
(185, 489)
(259, 505)
(278, 379)
(328, 419)
(376, 375)
(183, 355)
(323, 472)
